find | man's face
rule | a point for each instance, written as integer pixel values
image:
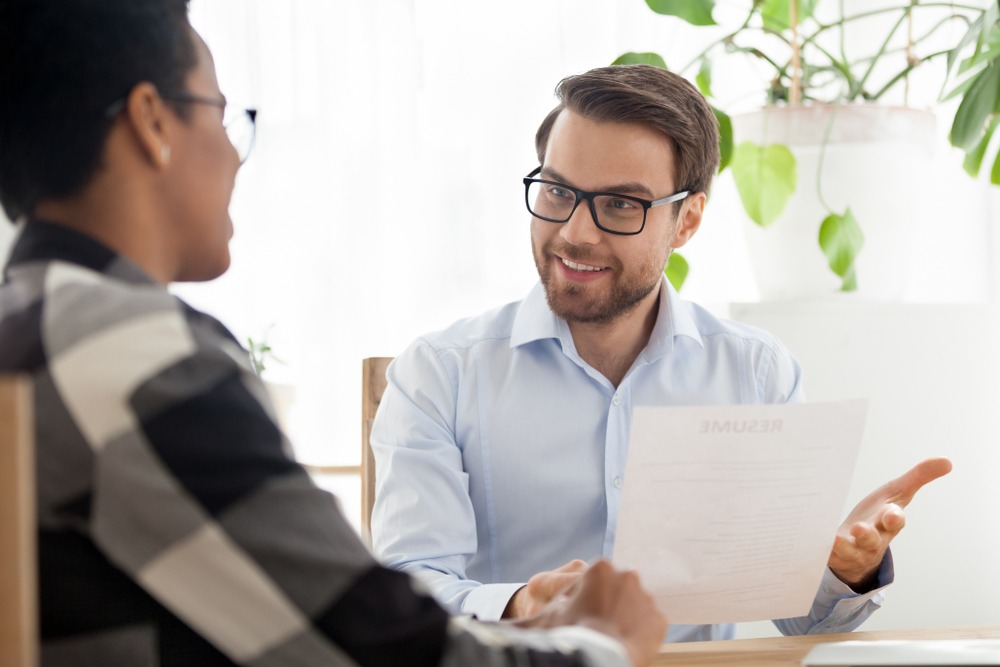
(204, 165)
(590, 275)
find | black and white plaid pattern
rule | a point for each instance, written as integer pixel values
(175, 529)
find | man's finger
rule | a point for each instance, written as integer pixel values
(893, 519)
(845, 549)
(916, 477)
(865, 536)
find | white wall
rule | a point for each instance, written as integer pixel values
(931, 374)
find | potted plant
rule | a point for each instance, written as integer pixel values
(816, 76)
(282, 394)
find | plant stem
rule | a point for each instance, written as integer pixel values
(722, 40)
(780, 70)
(844, 20)
(855, 87)
(909, 68)
(843, 36)
(885, 44)
(795, 96)
(822, 154)
(909, 54)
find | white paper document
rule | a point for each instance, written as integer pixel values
(729, 512)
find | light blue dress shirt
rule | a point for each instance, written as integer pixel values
(500, 452)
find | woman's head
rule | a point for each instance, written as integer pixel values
(63, 64)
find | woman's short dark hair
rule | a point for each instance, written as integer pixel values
(62, 64)
(649, 95)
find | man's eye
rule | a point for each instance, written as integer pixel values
(620, 204)
(562, 193)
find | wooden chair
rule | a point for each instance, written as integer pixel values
(18, 563)
(372, 386)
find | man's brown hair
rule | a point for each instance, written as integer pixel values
(649, 95)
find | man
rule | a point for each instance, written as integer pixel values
(500, 442)
(174, 529)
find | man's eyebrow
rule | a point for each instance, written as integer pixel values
(630, 188)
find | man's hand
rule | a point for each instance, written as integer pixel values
(865, 535)
(612, 602)
(543, 587)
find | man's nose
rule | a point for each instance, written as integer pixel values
(581, 227)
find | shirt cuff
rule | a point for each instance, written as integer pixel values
(488, 601)
(832, 589)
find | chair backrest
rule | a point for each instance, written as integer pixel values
(18, 564)
(372, 386)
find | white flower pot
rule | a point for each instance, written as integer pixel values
(877, 161)
(283, 398)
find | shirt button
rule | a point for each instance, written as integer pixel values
(616, 400)
(618, 482)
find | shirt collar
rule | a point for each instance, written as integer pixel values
(40, 241)
(673, 320)
(535, 321)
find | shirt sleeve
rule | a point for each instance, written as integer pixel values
(837, 608)
(197, 500)
(423, 521)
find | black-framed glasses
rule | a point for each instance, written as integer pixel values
(240, 124)
(613, 213)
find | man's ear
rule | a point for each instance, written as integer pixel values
(689, 219)
(150, 120)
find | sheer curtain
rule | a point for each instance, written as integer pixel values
(383, 199)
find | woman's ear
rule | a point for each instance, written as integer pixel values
(150, 120)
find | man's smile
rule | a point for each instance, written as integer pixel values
(577, 266)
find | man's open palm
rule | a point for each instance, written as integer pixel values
(865, 534)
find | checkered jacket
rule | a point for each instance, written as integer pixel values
(174, 527)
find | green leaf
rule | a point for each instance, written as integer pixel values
(695, 12)
(976, 106)
(990, 53)
(841, 239)
(648, 58)
(704, 77)
(973, 33)
(985, 51)
(777, 14)
(960, 89)
(725, 138)
(677, 270)
(765, 178)
(974, 159)
(995, 173)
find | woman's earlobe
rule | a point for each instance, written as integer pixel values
(145, 110)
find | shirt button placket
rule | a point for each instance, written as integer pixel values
(614, 460)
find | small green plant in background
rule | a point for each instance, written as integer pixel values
(261, 352)
(809, 63)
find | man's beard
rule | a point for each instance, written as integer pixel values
(570, 303)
